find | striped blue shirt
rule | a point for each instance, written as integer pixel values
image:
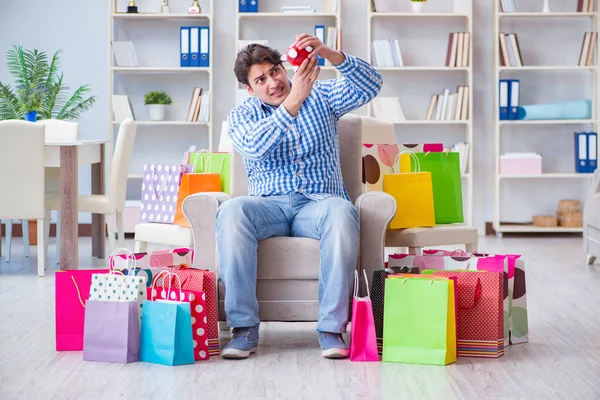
(284, 154)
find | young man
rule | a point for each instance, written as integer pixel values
(286, 133)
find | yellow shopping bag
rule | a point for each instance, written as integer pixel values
(413, 193)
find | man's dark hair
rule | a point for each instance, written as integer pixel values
(251, 55)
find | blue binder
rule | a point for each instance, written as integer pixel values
(184, 46)
(515, 98)
(204, 46)
(252, 5)
(581, 152)
(504, 98)
(243, 6)
(592, 148)
(194, 46)
(320, 33)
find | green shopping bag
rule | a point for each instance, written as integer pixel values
(419, 319)
(447, 184)
(219, 162)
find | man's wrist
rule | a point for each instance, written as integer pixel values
(334, 57)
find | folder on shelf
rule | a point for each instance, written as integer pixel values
(204, 46)
(581, 152)
(243, 6)
(592, 146)
(320, 33)
(514, 92)
(194, 48)
(252, 5)
(184, 48)
(503, 98)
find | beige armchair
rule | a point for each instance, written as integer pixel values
(591, 220)
(288, 268)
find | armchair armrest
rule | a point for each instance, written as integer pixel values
(375, 211)
(200, 209)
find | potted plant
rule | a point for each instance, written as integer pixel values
(40, 89)
(157, 103)
(417, 5)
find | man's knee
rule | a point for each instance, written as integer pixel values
(340, 211)
(233, 210)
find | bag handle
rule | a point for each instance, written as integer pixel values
(159, 187)
(130, 261)
(356, 283)
(204, 167)
(476, 297)
(165, 273)
(397, 160)
(78, 291)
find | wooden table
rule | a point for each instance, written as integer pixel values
(68, 156)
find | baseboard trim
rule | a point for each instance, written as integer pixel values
(83, 230)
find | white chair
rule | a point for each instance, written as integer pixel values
(22, 161)
(56, 130)
(113, 203)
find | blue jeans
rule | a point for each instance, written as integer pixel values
(244, 221)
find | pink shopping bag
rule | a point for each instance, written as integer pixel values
(363, 341)
(72, 290)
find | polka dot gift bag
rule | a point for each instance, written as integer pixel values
(115, 286)
(160, 190)
(197, 300)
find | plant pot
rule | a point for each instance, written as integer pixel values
(156, 112)
(417, 6)
(31, 116)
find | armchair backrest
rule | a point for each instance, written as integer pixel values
(117, 189)
(376, 131)
(350, 141)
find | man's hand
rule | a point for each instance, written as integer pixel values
(333, 56)
(302, 84)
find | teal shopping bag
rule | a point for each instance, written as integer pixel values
(166, 336)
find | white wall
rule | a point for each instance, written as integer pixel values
(81, 31)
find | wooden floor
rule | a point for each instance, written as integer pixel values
(562, 360)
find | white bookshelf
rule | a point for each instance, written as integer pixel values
(435, 25)
(156, 39)
(279, 28)
(555, 176)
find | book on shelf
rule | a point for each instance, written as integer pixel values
(297, 9)
(457, 54)
(449, 106)
(199, 106)
(507, 6)
(386, 53)
(331, 6)
(588, 48)
(510, 54)
(379, 6)
(124, 53)
(462, 149)
(244, 43)
(586, 5)
(387, 109)
(121, 108)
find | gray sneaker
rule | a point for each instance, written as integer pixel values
(243, 343)
(332, 345)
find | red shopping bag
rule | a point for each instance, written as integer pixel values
(363, 341)
(72, 290)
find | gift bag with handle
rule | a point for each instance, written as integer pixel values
(363, 342)
(219, 162)
(166, 336)
(196, 182)
(160, 190)
(413, 193)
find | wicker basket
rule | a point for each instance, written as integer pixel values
(570, 219)
(569, 206)
(545, 221)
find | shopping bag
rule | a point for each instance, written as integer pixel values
(413, 193)
(72, 290)
(112, 331)
(378, 160)
(480, 314)
(197, 302)
(202, 281)
(166, 336)
(363, 342)
(219, 162)
(408, 336)
(196, 182)
(446, 182)
(149, 265)
(160, 189)
(116, 286)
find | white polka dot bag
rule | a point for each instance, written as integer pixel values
(115, 286)
(197, 302)
(160, 190)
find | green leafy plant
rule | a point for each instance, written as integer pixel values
(157, 98)
(418, 1)
(40, 87)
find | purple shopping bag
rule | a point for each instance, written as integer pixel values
(112, 331)
(160, 189)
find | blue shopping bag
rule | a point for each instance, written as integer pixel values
(166, 336)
